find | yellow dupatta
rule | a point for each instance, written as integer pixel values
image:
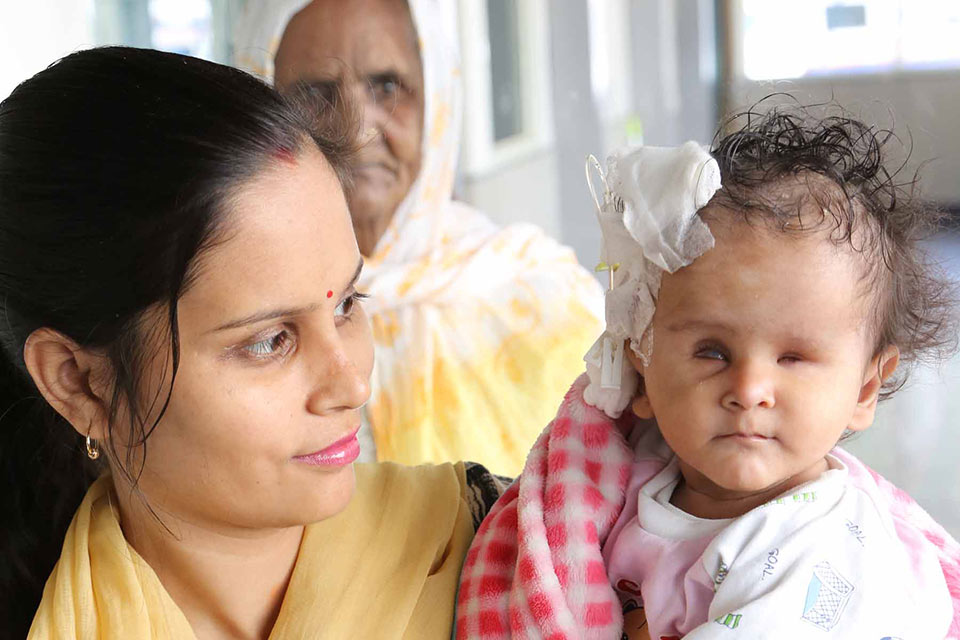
(479, 330)
(386, 567)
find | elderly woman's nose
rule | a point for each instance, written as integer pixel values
(364, 95)
(374, 113)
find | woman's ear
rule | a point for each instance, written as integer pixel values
(879, 370)
(70, 379)
(640, 403)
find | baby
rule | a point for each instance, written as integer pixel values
(754, 326)
(764, 352)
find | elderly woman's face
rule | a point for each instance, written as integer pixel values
(369, 49)
(276, 355)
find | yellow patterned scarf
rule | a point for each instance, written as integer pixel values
(386, 567)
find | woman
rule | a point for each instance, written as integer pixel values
(179, 286)
(479, 331)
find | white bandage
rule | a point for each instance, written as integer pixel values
(649, 222)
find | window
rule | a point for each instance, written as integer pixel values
(801, 38)
(504, 68)
(34, 34)
(182, 26)
(610, 57)
(504, 47)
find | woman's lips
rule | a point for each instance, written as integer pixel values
(340, 453)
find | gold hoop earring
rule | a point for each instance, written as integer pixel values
(93, 449)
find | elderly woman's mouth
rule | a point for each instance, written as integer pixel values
(375, 175)
(375, 169)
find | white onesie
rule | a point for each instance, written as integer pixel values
(822, 561)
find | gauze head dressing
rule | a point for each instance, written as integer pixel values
(648, 218)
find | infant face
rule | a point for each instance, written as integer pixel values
(762, 357)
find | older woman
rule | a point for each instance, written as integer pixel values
(184, 361)
(478, 330)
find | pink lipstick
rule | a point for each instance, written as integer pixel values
(340, 453)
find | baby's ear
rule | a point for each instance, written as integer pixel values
(640, 403)
(879, 370)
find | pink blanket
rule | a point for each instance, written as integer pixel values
(535, 568)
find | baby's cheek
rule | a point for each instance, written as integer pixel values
(834, 393)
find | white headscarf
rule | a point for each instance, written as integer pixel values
(479, 330)
(419, 223)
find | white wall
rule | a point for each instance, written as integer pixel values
(655, 62)
(924, 105)
(915, 441)
(525, 190)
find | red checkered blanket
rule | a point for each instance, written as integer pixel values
(535, 568)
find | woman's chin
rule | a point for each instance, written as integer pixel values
(329, 495)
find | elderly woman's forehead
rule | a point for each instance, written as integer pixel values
(326, 27)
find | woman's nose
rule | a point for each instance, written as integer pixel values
(339, 382)
(752, 386)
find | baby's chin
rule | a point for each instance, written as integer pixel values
(753, 478)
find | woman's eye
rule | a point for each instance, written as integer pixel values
(320, 91)
(345, 308)
(268, 347)
(389, 86)
(385, 89)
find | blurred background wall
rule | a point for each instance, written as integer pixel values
(549, 81)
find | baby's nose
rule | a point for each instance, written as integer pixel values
(751, 386)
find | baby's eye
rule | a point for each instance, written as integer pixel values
(276, 344)
(789, 358)
(711, 353)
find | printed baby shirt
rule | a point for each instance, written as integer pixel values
(822, 561)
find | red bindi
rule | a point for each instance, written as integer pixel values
(329, 294)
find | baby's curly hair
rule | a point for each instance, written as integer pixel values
(769, 151)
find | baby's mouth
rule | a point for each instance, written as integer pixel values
(746, 436)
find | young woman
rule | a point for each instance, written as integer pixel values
(185, 360)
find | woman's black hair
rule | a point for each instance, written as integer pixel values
(116, 165)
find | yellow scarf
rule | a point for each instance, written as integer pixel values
(386, 567)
